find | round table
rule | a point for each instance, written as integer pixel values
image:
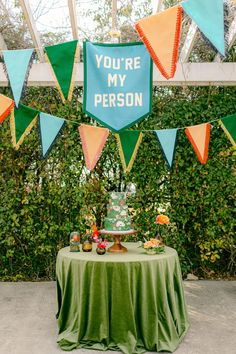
(130, 302)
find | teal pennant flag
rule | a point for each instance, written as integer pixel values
(17, 64)
(50, 127)
(117, 83)
(209, 17)
(167, 139)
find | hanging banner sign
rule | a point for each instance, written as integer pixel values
(117, 83)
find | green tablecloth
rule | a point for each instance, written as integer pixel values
(131, 302)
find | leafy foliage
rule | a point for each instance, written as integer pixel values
(43, 200)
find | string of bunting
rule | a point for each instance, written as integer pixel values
(93, 138)
(159, 32)
(117, 86)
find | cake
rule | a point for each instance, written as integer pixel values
(117, 213)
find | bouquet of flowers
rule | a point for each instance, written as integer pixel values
(161, 220)
(153, 246)
(101, 243)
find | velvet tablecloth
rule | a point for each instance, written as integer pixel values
(130, 302)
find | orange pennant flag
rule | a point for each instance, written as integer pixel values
(6, 106)
(199, 137)
(93, 141)
(161, 34)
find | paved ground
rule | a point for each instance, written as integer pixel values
(28, 325)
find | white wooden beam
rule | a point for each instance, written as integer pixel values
(114, 32)
(114, 15)
(231, 38)
(232, 33)
(32, 28)
(157, 5)
(188, 44)
(3, 45)
(190, 74)
(73, 18)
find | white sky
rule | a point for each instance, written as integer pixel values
(54, 14)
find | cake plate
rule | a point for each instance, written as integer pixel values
(117, 246)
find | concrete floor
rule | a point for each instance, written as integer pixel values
(28, 324)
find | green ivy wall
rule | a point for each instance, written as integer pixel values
(43, 200)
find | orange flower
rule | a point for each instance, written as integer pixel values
(94, 228)
(162, 220)
(152, 243)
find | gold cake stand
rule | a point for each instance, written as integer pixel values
(117, 246)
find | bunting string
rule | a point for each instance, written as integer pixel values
(117, 86)
(141, 130)
(128, 140)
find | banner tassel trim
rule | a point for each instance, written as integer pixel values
(128, 168)
(175, 49)
(26, 132)
(86, 153)
(8, 111)
(203, 158)
(72, 83)
(227, 133)
(55, 79)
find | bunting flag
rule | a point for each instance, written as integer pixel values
(209, 17)
(199, 137)
(62, 59)
(6, 106)
(117, 83)
(167, 139)
(93, 141)
(50, 127)
(22, 121)
(228, 124)
(161, 35)
(17, 66)
(128, 143)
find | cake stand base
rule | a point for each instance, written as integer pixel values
(117, 246)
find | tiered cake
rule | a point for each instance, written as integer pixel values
(117, 213)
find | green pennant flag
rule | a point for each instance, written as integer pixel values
(22, 121)
(228, 124)
(62, 59)
(128, 143)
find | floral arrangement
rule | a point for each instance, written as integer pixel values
(101, 243)
(153, 246)
(95, 232)
(162, 219)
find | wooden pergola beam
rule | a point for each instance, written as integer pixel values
(3, 45)
(189, 74)
(188, 44)
(114, 32)
(231, 38)
(32, 28)
(157, 6)
(73, 18)
(114, 15)
(232, 33)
